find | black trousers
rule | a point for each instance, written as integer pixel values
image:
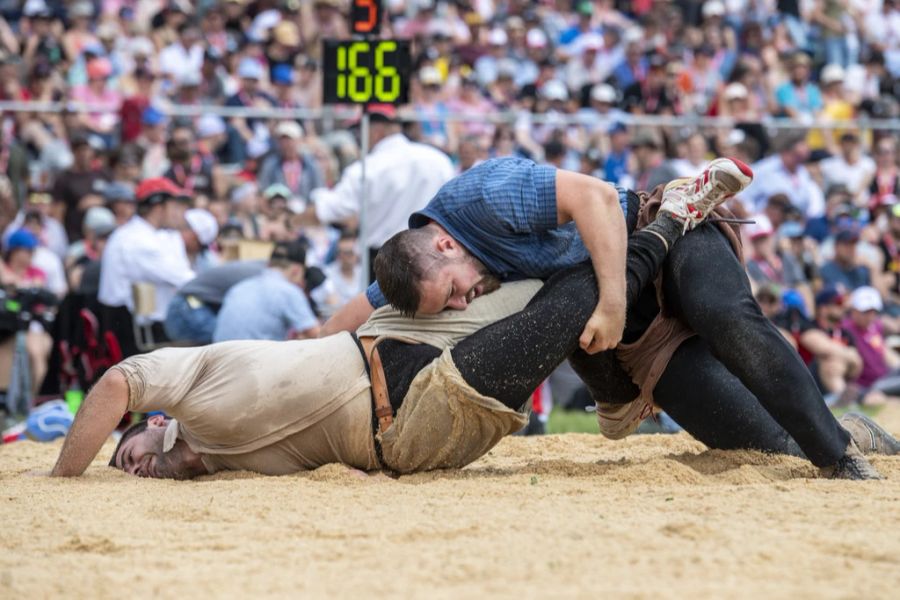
(737, 385)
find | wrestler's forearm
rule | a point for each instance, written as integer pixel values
(594, 207)
(349, 318)
(98, 416)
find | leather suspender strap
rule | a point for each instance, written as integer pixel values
(384, 413)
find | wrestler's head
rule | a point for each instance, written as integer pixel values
(140, 452)
(426, 270)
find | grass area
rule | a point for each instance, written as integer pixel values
(571, 421)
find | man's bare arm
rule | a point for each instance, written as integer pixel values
(349, 318)
(96, 419)
(594, 207)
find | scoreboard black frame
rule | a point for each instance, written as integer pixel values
(366, 71)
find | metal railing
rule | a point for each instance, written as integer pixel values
(342, 113)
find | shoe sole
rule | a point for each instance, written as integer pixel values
(878, 441)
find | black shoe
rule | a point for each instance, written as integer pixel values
(853, 465)
(870, 437)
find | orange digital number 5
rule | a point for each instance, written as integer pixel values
(369, 24)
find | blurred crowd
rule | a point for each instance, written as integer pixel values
(571, 79)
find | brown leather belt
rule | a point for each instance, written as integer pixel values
(383, 410)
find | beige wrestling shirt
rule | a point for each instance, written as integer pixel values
(280, 407)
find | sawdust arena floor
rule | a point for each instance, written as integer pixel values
(560, 516)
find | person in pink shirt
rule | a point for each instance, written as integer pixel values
(97, 93)
(880, 374)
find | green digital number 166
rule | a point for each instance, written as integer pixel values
(355, 80)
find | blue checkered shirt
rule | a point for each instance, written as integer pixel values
(504, 212)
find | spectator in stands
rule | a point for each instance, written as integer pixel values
(343, 278)
(850, 167)
(84, 259)
(147, 249)
(199, 234)
(766, 264)
(472, 150)
(696, 156)
(52, 234)
(487, 67)
(79, 187)
(827, 346)
(432, 109)
(785, 173)
(271, 305)
(250, 94)
(834, 106)
(133, 107)
(192, 312)
(844, 270)
(97, 92)
(45, 259)
(889, 245)
(275, 225)
(798, 97)
(656, 94)
(885, 185)
(616, 165)
(189, 169)
(17, 271)
(471, 101)
(880, 374)
(245, 210)
(183, 56)
(290, 165)
(583, 68)
(652, 168)
(119, 197)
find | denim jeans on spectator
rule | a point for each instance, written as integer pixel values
(187, 324)
(798, 31)
(836, 51)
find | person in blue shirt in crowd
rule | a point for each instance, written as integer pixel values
(271, 305)
(511, 218)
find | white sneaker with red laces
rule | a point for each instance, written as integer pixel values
(692, 199)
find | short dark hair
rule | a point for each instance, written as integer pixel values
(402, 263)
(286, 253)
(129, 433)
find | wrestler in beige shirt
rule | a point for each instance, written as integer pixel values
(268, 407)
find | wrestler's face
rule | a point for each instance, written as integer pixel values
(457, 282)
(143, 455)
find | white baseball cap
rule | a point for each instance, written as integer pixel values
(591, 41)
(832, 74)
(712, 8)
(761, 228)
(209, 125)
(536, 38)
(498, 37)
(555, 90)
(866, 298)
(603, 92)
(291, 129)
(204, 224)
(735, 91)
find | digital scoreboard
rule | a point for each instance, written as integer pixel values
(367, 71)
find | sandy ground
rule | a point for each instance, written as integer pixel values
(566, 516)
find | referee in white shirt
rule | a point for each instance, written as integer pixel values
(401, 177)
(146, 249)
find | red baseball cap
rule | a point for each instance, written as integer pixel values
(158, 189)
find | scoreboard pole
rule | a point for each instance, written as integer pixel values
(364, 70)
(364, 194)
